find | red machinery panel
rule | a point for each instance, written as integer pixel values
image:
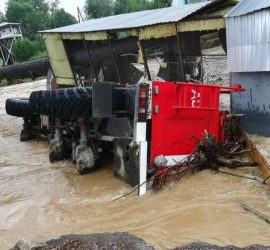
(179, 112)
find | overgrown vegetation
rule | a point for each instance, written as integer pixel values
(34, 16)
(102, 8)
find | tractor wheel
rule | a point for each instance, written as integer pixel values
(63, 103)
(19, 107)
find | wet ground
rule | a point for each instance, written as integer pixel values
(40, 201)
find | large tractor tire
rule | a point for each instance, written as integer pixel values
(63, 103)
(19, 107)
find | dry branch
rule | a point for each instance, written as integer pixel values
(255, 212)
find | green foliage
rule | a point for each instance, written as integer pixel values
(3, 83)
(37, 15)
(24, 49)
(99, 8)
(2, 17)
(60, 17)
(33, 15)
(161, 3)
(127, 6)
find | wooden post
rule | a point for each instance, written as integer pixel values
(144, 60)
(180, 54)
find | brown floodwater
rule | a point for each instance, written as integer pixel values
(40, 201)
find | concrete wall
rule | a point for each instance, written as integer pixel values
(254, 102)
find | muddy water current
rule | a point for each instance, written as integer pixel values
(40, 201)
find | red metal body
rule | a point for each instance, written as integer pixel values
(181, 111)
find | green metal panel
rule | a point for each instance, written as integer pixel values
(58, 59)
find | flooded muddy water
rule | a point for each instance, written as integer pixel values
(40, 201)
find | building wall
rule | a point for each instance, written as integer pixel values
(254, 102)
(248, 42)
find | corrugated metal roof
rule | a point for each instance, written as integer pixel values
(135, 19)
(248, 6)
(5, 24)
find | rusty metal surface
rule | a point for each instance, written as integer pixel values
(136, 19)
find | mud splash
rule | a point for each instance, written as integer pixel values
(40, 201)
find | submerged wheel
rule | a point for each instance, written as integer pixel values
(64, 103)
(19, 107)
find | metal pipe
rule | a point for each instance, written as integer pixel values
(90, 60)
(114, 59)
(144, 60)
(83, 131)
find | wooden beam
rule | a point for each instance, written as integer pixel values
(256, 156)
(180, 55)
(144, 60)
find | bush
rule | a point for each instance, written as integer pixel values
(24, 49)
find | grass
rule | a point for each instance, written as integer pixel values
(3, 83)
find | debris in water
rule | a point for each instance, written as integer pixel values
(257, 213)
(209, 154)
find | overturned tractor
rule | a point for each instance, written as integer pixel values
(121, 90)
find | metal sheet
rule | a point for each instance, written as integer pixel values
(136, 19)
(102, 100)
(248, 6)
(248, 41)
(58, 59)
(254, 102)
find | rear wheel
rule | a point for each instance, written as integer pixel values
(64, 103)
(19, 107)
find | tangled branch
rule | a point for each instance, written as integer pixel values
(208, 154)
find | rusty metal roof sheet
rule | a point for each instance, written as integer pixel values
(248, 6)
(135, 19)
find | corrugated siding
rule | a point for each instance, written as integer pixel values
(248, 42)
(248, 6)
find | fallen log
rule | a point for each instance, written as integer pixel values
(235, 163)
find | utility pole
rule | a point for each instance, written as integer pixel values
(80, 17)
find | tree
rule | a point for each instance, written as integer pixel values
(2, 17)
(54, 5)
(127, 6)
(33, 15)
(98, 8)
(161, 3)
(60, 17)
(24, 49)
